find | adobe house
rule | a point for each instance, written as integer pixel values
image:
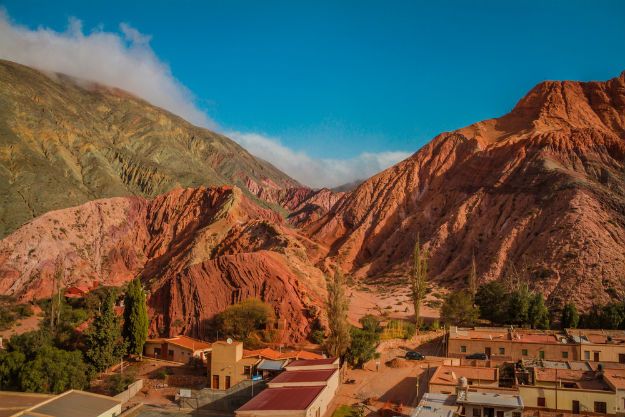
(229, 366)
(177, 349)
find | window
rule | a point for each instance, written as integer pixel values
(541, 354)
(621, 357)
(524, 352)
(502, 351)
(540, 401)
(499, 413)
(247, 370)
(600, 407)
(587, 355)
(463, 349)
(565, 355)
(516, 414)
(477, 412)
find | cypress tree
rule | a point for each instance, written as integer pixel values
(135, 330)
(570, 317)
(104, 343)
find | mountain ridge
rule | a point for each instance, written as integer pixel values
(510, 189)
(68, 141)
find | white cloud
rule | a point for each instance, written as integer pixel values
(316, 172)
(125, 60)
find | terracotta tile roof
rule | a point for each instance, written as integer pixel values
(182, 341)
(448, 375)
(316, 375)
(312, 362)
(304, 354)
(286, 398)
(266, 353)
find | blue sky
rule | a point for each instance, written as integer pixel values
(334, 80)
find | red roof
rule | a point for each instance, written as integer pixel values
(312, 362)
(315, 375)
(286, 398)
(266, 353)
(183, 341)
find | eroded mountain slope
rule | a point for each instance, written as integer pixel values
(541, 189)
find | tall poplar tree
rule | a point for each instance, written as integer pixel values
(135, 330)
(418, 279)
(473, 277)
(337, 306)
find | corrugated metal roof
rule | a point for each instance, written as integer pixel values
(76, 404)
(287, 398)
(271, 365)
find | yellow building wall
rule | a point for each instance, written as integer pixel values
(513, 349)
(227, 360)
(607, 353)
(565, 397)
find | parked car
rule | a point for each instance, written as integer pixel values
(415, 356)
(481, 356)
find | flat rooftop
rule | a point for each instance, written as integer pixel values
(436, 405)
(615, 378)
(13, 402)
(506, 334)
(491, 399)
(315, 375)
(597, 336)
(283, 399)
(74, 404)
(574, 378)
(449, 375)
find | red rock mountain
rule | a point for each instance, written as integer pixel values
(541, 188)
(197, 250)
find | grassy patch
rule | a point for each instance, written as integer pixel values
(343, 411)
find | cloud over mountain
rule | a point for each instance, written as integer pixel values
(316, 172)
(124, 59)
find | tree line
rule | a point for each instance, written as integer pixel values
(56, 358)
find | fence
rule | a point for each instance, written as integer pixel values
(131, 391)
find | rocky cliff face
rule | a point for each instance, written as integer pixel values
(64, 142)
(541, 189)
(197, 251)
